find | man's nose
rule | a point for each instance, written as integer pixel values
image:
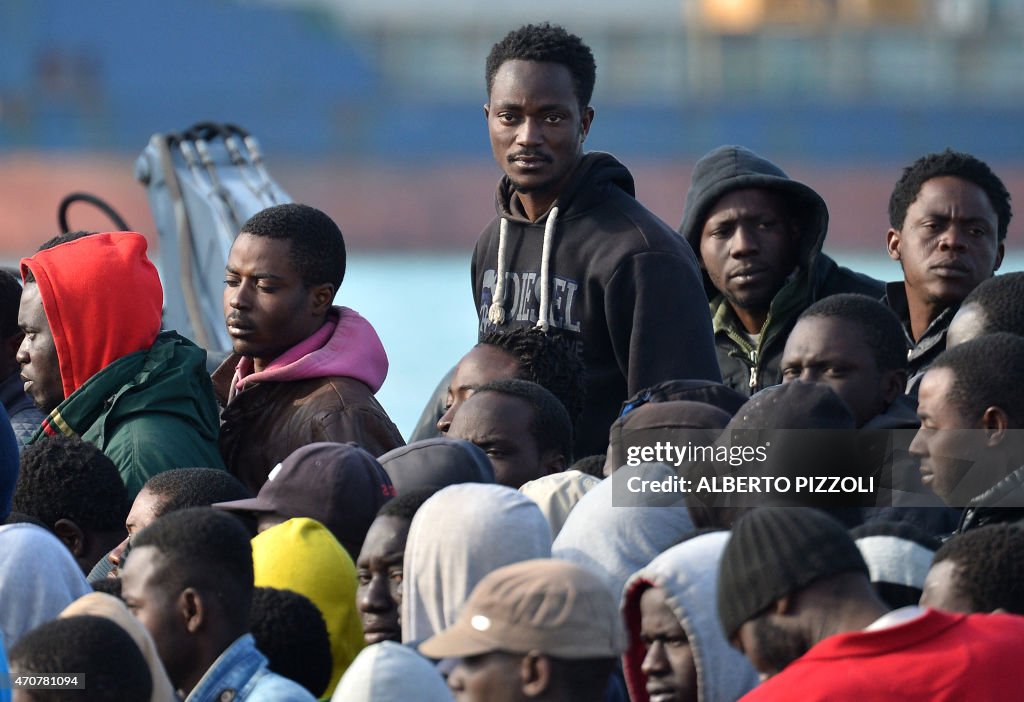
(954, 238)
(529, 132)
(744, 241)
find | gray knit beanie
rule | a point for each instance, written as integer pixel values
(775, 551)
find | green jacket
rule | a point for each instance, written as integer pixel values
(149, 411)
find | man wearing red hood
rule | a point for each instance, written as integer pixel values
(303, 370)
(95, 360)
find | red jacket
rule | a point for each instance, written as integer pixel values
(937, 657)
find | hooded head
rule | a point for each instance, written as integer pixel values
(558, 493)
(101, 298)
(457, 537)
(390, 671)
(100, 604)
(687, 576)
(38, 579)
(301, 555)
(728, 169)
(615, 530)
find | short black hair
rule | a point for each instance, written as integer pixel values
(10, 301)
(317, 246)
(879, 326)
(549, 360)
(987, 372)
(407, 504)
(547, 43)
(64, 477)
(291, 632)
(94, 647)
(551, 428)
(182, 488)
(949, 163)
(591, 465)
(206, 549)
(1001, 298)
(56, 241)
(989, 566)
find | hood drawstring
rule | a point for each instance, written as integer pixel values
(545, 269)
(496, 312)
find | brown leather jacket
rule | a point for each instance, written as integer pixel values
(265, 422)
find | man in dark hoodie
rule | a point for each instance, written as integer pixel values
(571, 250)
(758, 236)
(95, 360)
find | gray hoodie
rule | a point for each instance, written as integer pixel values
(458, 536)
(38, 579)
(614, 532)
(688, 573)
(389, 672)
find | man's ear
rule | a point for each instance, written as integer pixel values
(72, 536)
(995, 423)
(323, 298)
(586, 119)
(535, 674)
(892, 244)
(1000, 252)
(894, 384)
(487, 110)
(192, 609)
(552, 461)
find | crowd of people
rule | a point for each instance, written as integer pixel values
(601, 500)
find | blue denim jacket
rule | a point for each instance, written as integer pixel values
(241, 674)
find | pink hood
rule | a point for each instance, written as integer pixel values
(346, 345)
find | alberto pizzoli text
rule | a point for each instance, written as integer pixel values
(743, 484)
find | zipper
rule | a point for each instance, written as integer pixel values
(750, 352)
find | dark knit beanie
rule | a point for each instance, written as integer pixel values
(775, 551)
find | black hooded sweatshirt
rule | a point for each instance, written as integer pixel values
(745, 367)
(620, 283)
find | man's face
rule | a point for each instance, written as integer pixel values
(40, 368)
(748, 246)
(481, 365)
(968, 323)
(949, 443)
(491, 677)
(267, 307)
(501, 426)
(144, 589)
(379, 566)
(536, 127)
(833, 352)
(942, 589)
(145, 509)
(669, 664)
(948, 242)
(768, 645)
